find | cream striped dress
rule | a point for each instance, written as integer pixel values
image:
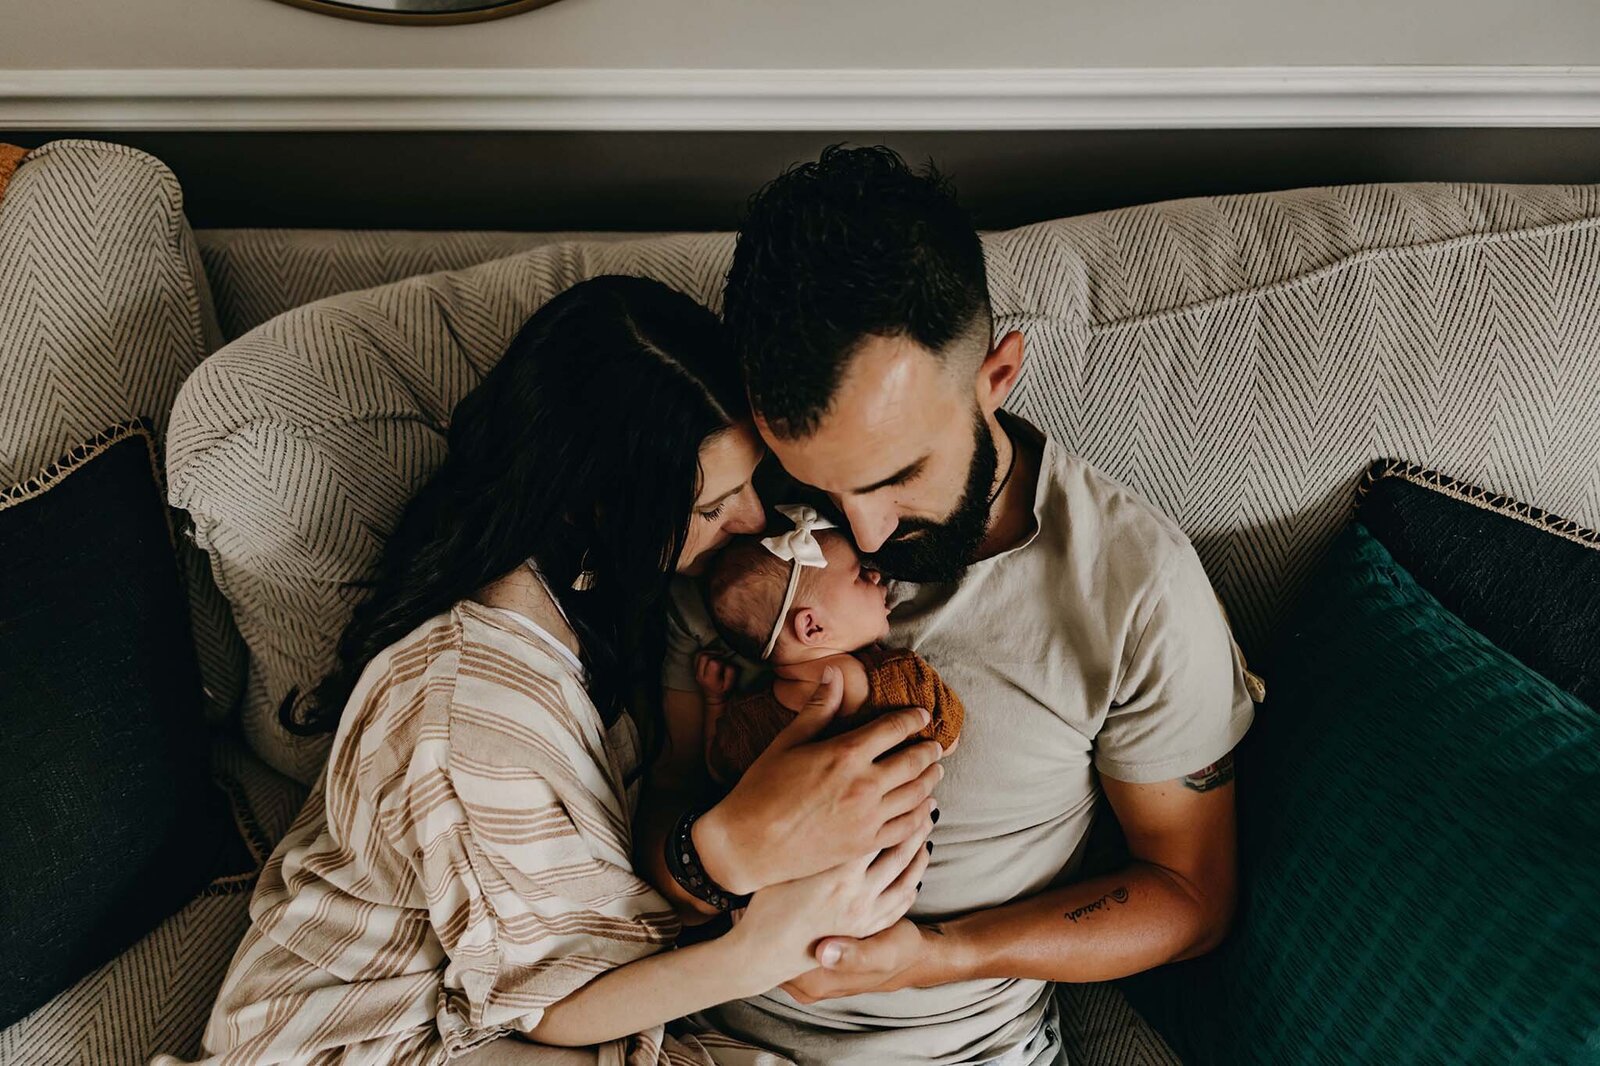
(463, 863)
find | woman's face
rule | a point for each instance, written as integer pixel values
(725, 503)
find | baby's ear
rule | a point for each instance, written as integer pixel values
(807, 627)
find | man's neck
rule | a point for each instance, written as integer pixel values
(1011, 516)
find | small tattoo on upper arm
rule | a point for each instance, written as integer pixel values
(1207, 778)
(1116, 895)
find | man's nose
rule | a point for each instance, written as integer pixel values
(870, 526)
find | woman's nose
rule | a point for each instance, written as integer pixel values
(747, 516)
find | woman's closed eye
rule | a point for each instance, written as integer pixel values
(715, 512)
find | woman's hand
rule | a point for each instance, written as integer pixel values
(804, 807)
(715, 678)
(857, 899)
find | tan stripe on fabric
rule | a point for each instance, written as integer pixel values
(470, 868)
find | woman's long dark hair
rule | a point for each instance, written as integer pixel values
(579, 449)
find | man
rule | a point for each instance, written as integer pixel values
(1075, 621)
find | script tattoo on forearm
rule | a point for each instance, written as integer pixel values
(1116, 895)
(1207, 778)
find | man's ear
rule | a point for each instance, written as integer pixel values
(807, 627)
(999, 372)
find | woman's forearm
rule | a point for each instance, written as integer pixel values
(654, 990)
(660, 807)
(677, 784)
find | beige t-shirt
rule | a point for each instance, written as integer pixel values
(1097, 644)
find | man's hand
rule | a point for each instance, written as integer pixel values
(895, 958)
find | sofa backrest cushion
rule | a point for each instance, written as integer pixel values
(257, 274)
(1238, 360)
(103, 313)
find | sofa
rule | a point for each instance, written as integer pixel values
(1238, 360)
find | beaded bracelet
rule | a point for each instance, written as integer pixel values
(683, 863)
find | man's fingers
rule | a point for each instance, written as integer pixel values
(836, 952)
(799, 994)
(817, 712)
(887, 731)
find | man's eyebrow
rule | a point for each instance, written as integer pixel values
(899, 477)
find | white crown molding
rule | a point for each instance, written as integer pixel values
(593, 99)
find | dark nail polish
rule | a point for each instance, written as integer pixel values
(936, 816)
(930, 847)
(919, 886)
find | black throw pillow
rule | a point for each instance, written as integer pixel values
(1524, 578)
(111, 820)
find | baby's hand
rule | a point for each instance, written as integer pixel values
(714, 676)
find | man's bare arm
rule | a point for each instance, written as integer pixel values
(1173, 901)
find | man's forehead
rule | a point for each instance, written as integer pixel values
(883, 383)
(893, 402)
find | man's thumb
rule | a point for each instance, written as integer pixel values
(834, 953)
(817, 712)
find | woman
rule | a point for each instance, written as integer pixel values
(461, 872)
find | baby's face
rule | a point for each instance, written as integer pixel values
(851, 598)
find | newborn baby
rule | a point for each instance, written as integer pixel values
(802, 602)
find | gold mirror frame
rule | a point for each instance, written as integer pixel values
(419, 18)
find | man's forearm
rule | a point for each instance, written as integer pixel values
(1095, 930)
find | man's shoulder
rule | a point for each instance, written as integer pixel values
(1097, 516)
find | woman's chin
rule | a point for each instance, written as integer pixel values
(697, 566)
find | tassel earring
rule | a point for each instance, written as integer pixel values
(585, 579)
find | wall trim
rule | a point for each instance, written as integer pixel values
(595, 99)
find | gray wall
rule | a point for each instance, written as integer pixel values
(645, 181)
(868, 34)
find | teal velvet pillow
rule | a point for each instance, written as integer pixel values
(1419, 830)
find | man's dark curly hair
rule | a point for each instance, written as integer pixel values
(856, 244)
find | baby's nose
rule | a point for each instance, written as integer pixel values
(872, 575)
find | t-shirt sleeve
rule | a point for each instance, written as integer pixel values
(1183, 701)
(689, 629)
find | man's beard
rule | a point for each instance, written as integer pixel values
(927, 552)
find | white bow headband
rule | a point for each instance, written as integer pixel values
(800, 547)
